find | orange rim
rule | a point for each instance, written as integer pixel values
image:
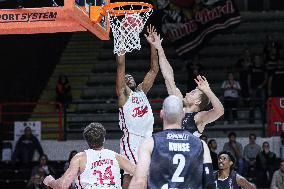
(108, 9)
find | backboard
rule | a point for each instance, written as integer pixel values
(71, 17)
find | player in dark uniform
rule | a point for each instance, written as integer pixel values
(173, 158)
(226, 177)
(195, 101)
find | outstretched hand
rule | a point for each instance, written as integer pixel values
(202, 83)
(157, 41)
(150, 30)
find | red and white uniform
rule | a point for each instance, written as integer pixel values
(102, 171)
(136, 121)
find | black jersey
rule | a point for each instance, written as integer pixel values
(188, 123)
(228, 183)
(176, 161)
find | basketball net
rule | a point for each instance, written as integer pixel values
(126, 30)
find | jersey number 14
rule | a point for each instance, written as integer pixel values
(107, 176)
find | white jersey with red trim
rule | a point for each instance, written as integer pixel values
(102, 171)
(136, 116)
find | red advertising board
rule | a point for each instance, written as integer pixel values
(275, 116)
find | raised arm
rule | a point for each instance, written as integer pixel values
(139, 180)
(125, 164)
(166, 68)
(242, 182)
(208, 177)
(151, 75)
(204, 117)
(121, 89)
(67, 178)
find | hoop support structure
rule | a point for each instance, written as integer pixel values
(97, 12)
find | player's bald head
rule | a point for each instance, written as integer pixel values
(173, 110)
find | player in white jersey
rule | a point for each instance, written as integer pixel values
(94, 168)
(135, 114)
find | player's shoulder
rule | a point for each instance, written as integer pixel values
(80, 155)
(110, 151)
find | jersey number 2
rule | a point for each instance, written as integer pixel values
(107, 176)
(180, 160)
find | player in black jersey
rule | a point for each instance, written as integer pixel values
(226, 177)
(173, 158)
(195, 101)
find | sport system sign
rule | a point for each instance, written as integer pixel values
(28, 17)
(275, 116)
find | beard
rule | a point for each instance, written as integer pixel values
(133, 87)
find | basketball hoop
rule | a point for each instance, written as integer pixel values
(127, 20)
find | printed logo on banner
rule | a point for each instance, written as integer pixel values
(275, 116)
(281, 102)
(189, 27)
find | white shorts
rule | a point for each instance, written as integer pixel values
(129, 145)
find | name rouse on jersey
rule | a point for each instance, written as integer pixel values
(180, 147)
(102, 162)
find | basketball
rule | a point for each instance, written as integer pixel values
(132, 21)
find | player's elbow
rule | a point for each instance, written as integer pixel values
(155, 70)
(221, 111)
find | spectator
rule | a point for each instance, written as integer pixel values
(276, 79)
(212, 144)
(243, 67)
(271, 53)
(43, 165)
(36, 181)
(226, 177)
(245, 60)
(194, 69)
(278, 177)
(66, 166)
(63, 90)
(236, 149)
(251, 150)
(271, 49)
(257, 80)
(265, 165)
(26, 147)
(231, 97)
